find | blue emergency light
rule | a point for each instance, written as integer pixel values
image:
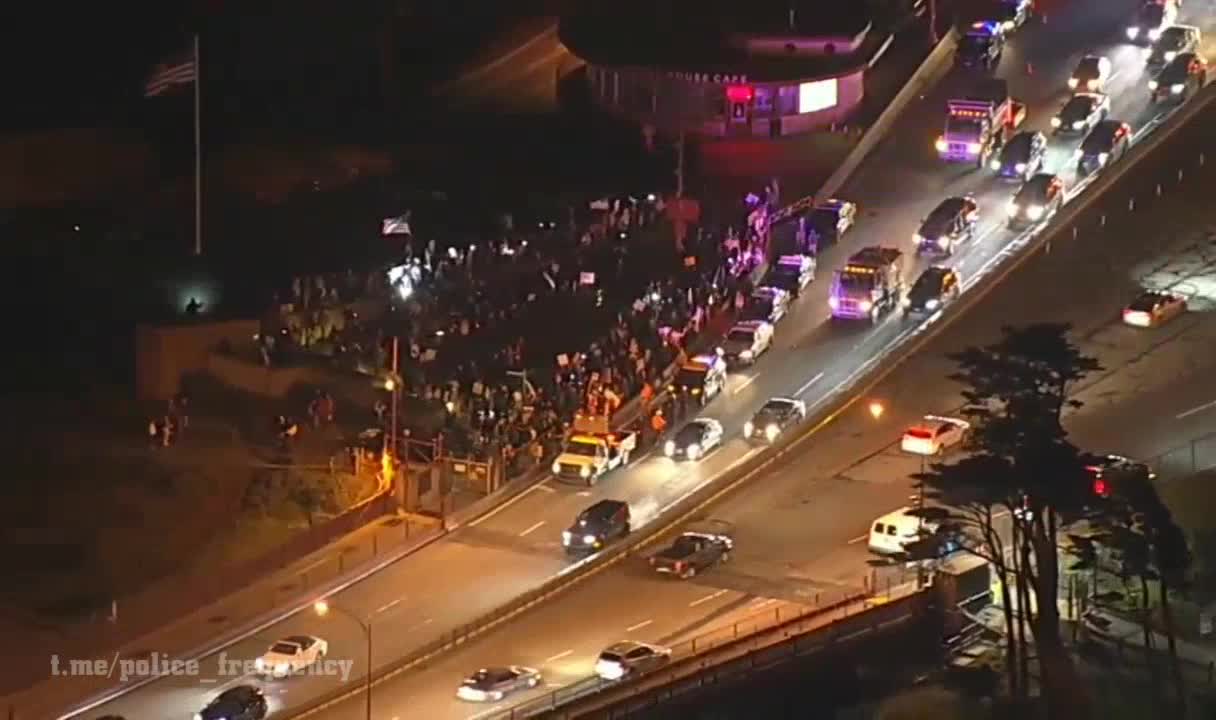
(984, 28)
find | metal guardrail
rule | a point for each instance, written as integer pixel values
(866, 376)
(744, 629)
(747, 655)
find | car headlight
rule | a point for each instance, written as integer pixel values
(556, 467)
(198, 716)
(941, 145)
(1077, 154)
(833, 302)
(918, 239)
(866, 306)
(1154, 34)
(1034, 212)
(1170, 55)
(1072, 82)
(694, 451)
(1078, 125)
(1007, 25)
(943, 242)
(995, 165)
(1153, 84)
(932, 303)
(282, 667)
(749, 427)
(772, 431)
(567, 537)
(1103, 157)
(1055, 122)
(259, 663)
(1133, 33)
(590, 539)
(973, 148)
(1092, 84)
(1177, 88)
(906, 302)
(746, 355)
(1020, 167)
(1011, 209)
(669, 448)
(585, 471)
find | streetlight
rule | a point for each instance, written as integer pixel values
(322, 608)
(877, 409)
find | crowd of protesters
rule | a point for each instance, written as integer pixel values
(505, 339)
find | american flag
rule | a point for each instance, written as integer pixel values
(169, 75)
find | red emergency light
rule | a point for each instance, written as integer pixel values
(740, 93)
(968, 113)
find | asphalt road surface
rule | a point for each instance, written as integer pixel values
(800, 531)
(517, 548)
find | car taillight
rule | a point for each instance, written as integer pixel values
(679, 566)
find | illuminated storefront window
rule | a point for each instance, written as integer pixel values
(817, 95)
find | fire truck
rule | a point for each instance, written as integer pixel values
(870, 285)
(978, 125)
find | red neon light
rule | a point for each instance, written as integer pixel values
(740, 93)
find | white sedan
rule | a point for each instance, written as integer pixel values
(291, 654)
(933, 435)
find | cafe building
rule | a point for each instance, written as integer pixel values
(768, 76)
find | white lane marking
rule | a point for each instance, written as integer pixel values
(545, 487)
(859, 538)
(639, 626)
(583, 493)
(559, 656)
(554, 685)
(763, 602)
(707, 598)
(744, 384)
(538, 486)
(808, 384)
(387, 606)
(532, 528)
(421, 625)
(1195, 410)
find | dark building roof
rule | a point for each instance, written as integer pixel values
(693, 36)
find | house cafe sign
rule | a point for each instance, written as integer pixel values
(715, 78)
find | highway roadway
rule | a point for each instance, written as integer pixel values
(480, 567)
(800, 531)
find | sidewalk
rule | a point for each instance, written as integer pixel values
(1117, 629)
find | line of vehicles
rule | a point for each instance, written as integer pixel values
(983, 128)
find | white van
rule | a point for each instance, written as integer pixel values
(891, 532)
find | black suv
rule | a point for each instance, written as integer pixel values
(777, 415)
(1037, 200)
(981, 45)
(1174, 40)
(595, 527)
(1105, 144)
(950, 224)
(935, 287)
(243, 702)
(1081, 113)
(1022, 156)
(1181, 77)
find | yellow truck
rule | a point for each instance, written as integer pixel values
(593, 449)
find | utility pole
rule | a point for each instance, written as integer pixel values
(396, 381)
(680, 165)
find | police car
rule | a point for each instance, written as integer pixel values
(791, 273)
(747, 341)
(769, 304)
(701, 378)
(830, 220)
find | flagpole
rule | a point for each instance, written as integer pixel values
(198, 154)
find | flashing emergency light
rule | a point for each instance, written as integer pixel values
(740, 93)
(1101, 488)
(984, 28)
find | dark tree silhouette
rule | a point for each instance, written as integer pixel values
(1017, 391)
(1136, 523)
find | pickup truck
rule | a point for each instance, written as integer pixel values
(593, 450)
(691, 553)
